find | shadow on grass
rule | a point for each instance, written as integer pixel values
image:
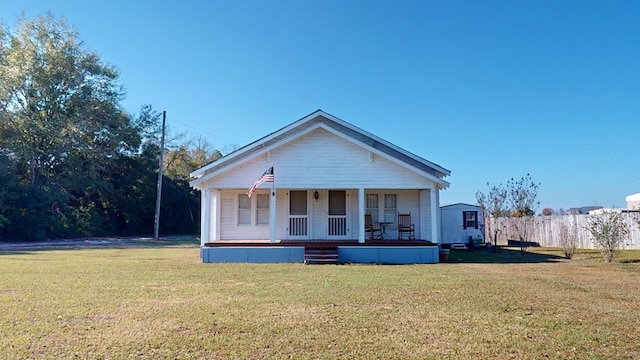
(630, 261)
(97, 243)
(503, 255)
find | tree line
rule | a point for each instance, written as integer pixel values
(73, 162)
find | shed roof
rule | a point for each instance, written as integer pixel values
(633, 197)
(459, 205)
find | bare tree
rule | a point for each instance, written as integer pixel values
(493, 205)
(609, 231)
(522, 196)
(569, 237)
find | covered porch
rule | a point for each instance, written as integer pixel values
(284, 216)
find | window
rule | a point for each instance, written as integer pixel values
(390, 208)
(262, 209)
(470, 219)
(371, 206)
(298, 202)
(244, 210)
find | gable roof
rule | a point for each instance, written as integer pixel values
(341, 128)
(460, 205)
(583, 209)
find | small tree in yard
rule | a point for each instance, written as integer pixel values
(609, 231)
(522, 200)
(569, 237)
(493, 205)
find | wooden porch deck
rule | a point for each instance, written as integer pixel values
(318, 244)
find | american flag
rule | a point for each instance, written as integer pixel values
(266, 177)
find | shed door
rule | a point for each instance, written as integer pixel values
(298, 215)
(337, 214)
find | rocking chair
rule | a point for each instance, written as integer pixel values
(373, 232)
(406, 227)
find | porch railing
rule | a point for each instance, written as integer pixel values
(298, 226)
(338, 225)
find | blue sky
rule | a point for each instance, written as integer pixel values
(487, 89)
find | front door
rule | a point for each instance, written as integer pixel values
(337, 220)
(298, 215)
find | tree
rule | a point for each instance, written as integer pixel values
(547, 211)
(59, 102)
(493, 205)
(522, 196)
(72, 161)
(61, 127)
(517, 199)
(609, 231)
(191, 155)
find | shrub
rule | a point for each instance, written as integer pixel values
(568, 238)
(609, 231)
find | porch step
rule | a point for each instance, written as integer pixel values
(321, 256)
(458, 246)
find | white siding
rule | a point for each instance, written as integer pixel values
(318, 215)
(324, 161)
(229, 229)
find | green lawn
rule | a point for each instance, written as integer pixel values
(152, 302)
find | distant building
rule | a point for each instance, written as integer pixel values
(633, 201)
(582, 210)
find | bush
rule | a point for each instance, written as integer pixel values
(609, 231)
(568, 239)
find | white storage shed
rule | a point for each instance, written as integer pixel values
(462, 223)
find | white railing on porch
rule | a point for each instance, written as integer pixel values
(298, 226)
(337, 225)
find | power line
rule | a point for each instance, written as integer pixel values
(204, 132)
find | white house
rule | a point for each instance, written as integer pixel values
(327, 175)
(461, 222)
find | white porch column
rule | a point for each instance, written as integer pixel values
(434, 214)
(424, 215)
(272, 216)
(361, 210)
(214, 215)
(204, 216)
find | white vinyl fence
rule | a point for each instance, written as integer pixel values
(545, 230)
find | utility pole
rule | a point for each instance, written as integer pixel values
(159, 187)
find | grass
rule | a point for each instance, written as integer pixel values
(160, 301)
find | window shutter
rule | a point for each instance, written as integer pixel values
(464, 219)
(476, 219)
